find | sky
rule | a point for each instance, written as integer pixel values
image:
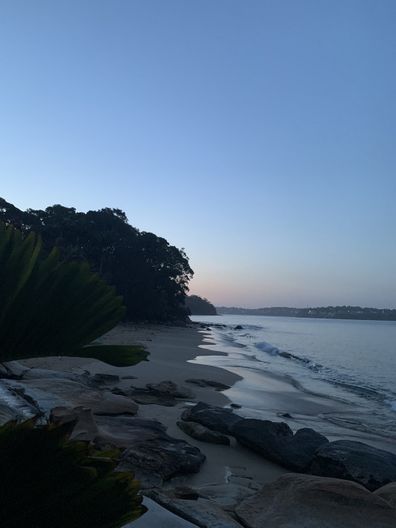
(259, 135)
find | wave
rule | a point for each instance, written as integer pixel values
(263, 346)
(391, 404)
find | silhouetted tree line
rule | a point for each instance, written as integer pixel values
(323, 312)
(199, 305)
(150, 274)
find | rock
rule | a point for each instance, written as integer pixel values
(157, 516)
(146, 397)
(186, 493)
(119, 392)
(388, 493)
(306, 501)
(355, 461)
(165, 393)
(14, 405)
(85, 428)
(151, 454)
(13, 369)
(62, 392)
(235, 405)
(102, 379)
(227, 496)
(169, 388)
(215, 418)
(276, 442)
(284, 415)
(208, 383)
(202, 512)
(202, 433)
(238, 327)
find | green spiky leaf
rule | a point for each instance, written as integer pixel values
(50, 481)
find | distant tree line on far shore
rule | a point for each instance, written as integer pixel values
(325, 312)
(200, 306)
(151, 275)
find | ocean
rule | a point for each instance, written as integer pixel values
(337, 376)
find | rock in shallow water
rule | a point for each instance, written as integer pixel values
(306, 501)
(215, 418)
(355, 461)
(276, 442)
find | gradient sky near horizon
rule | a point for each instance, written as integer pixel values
(257, 134)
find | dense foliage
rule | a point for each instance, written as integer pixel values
(150, 274)
(48, 481)
(49, 307)
(200, 306)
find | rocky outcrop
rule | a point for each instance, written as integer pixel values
(387, 493)
(306, 501)
(201, 512)
(215, 418)
(202, 433)
(227, 496)
(276, 442)
(169, 388)
(165, 393)
(355, 461)
(151, 454)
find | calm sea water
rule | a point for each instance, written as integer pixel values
(350, 363)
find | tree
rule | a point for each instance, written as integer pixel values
(150, 274)
(200, 306)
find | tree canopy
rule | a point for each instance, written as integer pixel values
(151, 275)
(200, 306)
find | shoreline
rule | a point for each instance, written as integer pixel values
(267, 395)
(172, 351)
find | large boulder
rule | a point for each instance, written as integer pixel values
(276, 442)
(388, 493)
(201, 512)
(202, 433)
(151, 454)
(306, 501)
(356, 461)
(215, 418)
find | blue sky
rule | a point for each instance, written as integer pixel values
(258, 135)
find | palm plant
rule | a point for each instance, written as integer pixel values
(48, 481)
(49, 307)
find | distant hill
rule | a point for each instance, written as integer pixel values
(325, 312)
(200, 306)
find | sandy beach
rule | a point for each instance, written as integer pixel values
(170, 350)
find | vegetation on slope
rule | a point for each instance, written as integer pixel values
(200, 306)
(49, 307)
(151, 275)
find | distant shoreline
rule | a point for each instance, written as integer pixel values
(329, 312)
